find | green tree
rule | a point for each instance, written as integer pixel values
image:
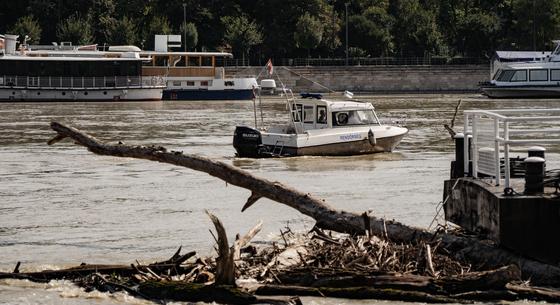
(124, 32)
(279, 18)
(27, 26)
(101, 16)
(416, 32)
(538, 17)
(371, 31)
(331, 22)
(477, 33)
(158, 25)
(241, 34)
(190, 34)
(309, 32)
(75, 29)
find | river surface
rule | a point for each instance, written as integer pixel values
(62, 205)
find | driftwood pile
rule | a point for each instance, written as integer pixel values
(313, 264)
(347, 254)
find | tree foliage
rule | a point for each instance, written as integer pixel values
(76, 30)
(309, 32)
(241, 33)
(27, 26)
(295, 28)
(371, 30)
(123, 32)
(190, 34)
(158, 25)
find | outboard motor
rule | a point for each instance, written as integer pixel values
(247, 142)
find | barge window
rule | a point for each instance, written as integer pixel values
(206, 61)
(194, 61)
(308, 114)
(519, 76)
(190, 83)
(505, 76)
(497, 74)
(204, 83)
(538, 75)
(321, 114)
(229, 83)
(555, 74)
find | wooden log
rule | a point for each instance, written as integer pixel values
(187, 292)
(225, 267)
(356, 293)
(326, 217)
(485, 280)
(535, 293)
(76, 272)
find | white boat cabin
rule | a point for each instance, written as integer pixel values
(316, 113)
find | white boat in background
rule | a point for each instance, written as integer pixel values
(531, 79)
(194, 75)
(319, 127)
(67, 73)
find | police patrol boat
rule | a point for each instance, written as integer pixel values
(320, 127)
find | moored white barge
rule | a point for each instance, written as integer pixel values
(71, 74)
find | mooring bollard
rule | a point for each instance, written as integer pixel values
(459, 169)
(536, 151)
(534, 175)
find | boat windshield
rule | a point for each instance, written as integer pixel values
(354, 117)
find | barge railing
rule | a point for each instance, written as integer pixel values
(490, 134)
(98, 82)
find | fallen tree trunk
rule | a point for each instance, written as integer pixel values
(356, 293)
(189, 292)
(326, 217)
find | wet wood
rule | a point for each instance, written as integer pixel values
(484, 280)
(356, 293)
(535, 293)
(225, 267)
(326, 217)
(189, 292)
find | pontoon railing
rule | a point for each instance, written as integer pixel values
(50, 82)
(494, 132)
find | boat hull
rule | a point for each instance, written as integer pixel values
(104, 94)
(183, 94)
(522, 92)
(248, 143)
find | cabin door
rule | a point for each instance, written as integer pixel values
(308, 117)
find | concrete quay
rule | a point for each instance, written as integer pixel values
(374, 79)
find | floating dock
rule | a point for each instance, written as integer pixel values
(516, 203)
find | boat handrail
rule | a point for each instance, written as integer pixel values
(494, 132)
(80, 82)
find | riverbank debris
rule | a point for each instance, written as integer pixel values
(347, 254)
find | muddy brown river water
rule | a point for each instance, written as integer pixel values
(61, 205)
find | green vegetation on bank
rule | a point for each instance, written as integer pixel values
(295, 28)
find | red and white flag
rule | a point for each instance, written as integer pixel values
(1, 43)
(269, 67)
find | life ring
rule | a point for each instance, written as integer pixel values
(371, 138)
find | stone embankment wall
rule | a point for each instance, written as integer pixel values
(380, 79)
